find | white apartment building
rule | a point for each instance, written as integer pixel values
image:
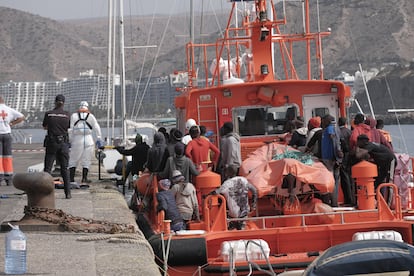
(29, 97)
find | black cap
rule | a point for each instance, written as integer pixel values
(60, 98)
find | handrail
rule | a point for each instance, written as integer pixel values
(383, 210)
(302, 216)
(383, 207)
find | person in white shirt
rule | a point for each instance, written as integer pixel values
(8, 118)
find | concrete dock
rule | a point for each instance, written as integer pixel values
(53, 251)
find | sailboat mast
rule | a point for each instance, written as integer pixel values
(109, 71)
(114, 26)
(122, 51)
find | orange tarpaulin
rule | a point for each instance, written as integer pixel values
(266, 174)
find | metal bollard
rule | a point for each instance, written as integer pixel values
(39, 187)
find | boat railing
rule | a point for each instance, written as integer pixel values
(264, 219)
(383, 212)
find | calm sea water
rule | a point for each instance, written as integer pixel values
(403, 136)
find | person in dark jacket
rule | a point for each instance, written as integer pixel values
(157, 154)
(299, 134)
(57, 123)
(139, 155)
(175, 137)
(382, 156)
(347, 184)
(166, 203)
(181, 163)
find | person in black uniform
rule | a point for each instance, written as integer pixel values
(57, 122)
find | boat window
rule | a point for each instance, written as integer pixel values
(253, 121)
(320, 111)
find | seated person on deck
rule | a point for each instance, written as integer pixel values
(166, 202)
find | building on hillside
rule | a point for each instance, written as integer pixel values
(154, 95)
(30, 96)
(143, 98)
(88, 87)
(346, 78)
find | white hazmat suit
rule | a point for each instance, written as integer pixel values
(82, 124)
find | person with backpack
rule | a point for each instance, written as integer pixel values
(83, 125)
(185, 197)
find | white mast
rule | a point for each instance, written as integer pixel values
(122, 51)
(109, 72)
(114, 25)
(366, 92)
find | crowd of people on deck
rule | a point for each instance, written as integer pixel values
(335, 144)
(176, 158)
(339, 147)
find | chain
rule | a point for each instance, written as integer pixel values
(77, 224)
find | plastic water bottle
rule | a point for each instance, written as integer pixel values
(15, 257)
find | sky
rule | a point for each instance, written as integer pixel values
(78, 9)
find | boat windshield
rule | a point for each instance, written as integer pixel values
(263, 120)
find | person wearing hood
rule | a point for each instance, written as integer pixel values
(185, 197)
(230, 148)
(83, 125)
(314, 135)
(299, 134)
(376, 135)
(178, 161)
(314, 124)
(139, 155)
(198, 149)
(359, 127)
(166, 203)
(157, 154)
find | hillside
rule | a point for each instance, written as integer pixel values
(33, 48)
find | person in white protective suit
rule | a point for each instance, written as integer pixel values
(83, 124)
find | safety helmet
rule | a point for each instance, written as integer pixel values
(190, 122)
(83, 104)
